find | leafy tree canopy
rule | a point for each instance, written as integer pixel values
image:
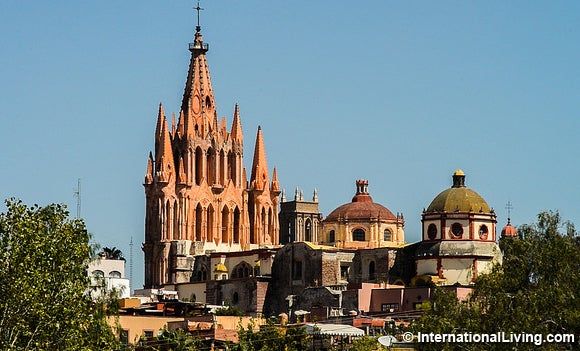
(44, 304)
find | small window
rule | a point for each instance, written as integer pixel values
(457, 230)
(148, 334)
(297, 270)
(483, 231)
(124, 336)
(331, 236)
(98, 273)
(389, 307)
(235, 298)
(387, 235)
(432, 231)
(114, 274)
(344, 272)
(358, 235)
(372, 273)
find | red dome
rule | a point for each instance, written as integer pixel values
(361, 207)
(509, 230)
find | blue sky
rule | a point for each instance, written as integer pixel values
(401, 93)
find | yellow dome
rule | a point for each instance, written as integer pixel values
(458, 198)
(220, 267)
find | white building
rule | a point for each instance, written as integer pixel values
(108, 274)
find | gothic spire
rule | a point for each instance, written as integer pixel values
(164, 157)
(198, 99)
(159, 127)
(237, 134)
(275, 182)
(259, 179)
(149, 173)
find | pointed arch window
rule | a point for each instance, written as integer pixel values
(308, 230)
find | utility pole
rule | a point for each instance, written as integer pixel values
(131, 262)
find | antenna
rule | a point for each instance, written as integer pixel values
(77, 194)
(131, 261)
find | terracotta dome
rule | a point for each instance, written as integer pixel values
(361, 207)
(458, 198)
(509, 230)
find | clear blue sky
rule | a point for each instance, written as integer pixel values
(401, 93)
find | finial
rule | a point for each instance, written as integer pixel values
(198, 9)
(509, 207)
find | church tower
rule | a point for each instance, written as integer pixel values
(198, 199)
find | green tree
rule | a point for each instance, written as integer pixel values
(272, 337)
(112, 253)
(45, 304)
(535, 291)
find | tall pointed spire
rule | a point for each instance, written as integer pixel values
(275, 182)
(237, 134)
(198, 99)
(164, 157)
(149, 173)
(260, 178)
(159, 127)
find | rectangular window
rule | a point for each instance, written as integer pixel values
(389, 307)
(124, 336)
(148, 333)
(344, 272)
(297, 270)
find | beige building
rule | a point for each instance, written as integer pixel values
(362, 223)
(459, 236)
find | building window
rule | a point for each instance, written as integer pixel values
(115, 274)
(387, 235)
(308, 232)
(124, 336)
(483, 231)
(344, 272)
(331, 236)
(235, 298)
(148, 334)
(389, 307)
(358, 235)
(297, 270)
(457, 230)
(98, 273)
(372, 274)
(432, 231)
(242, 270)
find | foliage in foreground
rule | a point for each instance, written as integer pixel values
(536, 290)
(272, 337)
(44, 304)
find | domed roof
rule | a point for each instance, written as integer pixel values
(220, 267)
(458, 198)
(361, 207)
(509, 230)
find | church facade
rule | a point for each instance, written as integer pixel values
(198, 197)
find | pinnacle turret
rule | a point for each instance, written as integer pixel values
(259, 179)
(237, 134)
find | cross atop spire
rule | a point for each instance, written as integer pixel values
(198, 9)
(509, 207)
